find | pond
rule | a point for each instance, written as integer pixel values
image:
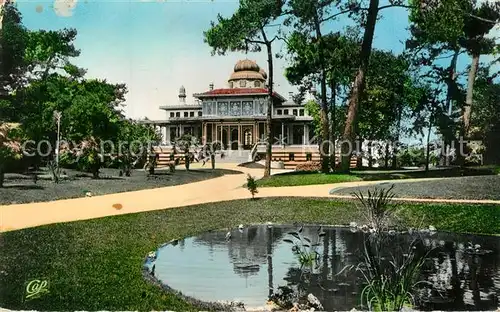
(256, 260)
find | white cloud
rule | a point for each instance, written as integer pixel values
(64, 7)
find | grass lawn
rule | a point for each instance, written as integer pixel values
(294, 179)
(22, 189)
(472, 187)
(308, 178)
(96, 264)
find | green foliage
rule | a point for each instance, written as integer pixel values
(252, 185)
(243, 31)
(379, 212)
(414, 156)
(388, 86)
(486, 116)
(90, 156)
(437, 22)
(13, 36)
(47, 51)
(389, 284)
(312, 108)
(304, 248)
(10, 149)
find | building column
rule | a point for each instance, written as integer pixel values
(240, 141)
(283, 134)
(164, 135)
(304, 135)
(221, 133)
(204, 133)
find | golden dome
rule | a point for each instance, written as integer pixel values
(248, 70)
(246, 65)
(250, 75)
(263, 73)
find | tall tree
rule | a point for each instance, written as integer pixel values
(309, 16)
(485, 119)
(330, 63)
(372, 13)
(12, 45)
(246, 31)
(48, 51)
(437, 29)
(476, 43)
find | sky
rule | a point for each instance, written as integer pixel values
(155, 47)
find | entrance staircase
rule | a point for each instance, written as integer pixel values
(233, 156)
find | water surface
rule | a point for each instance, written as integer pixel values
(256, 260)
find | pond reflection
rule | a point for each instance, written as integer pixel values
(256, 261)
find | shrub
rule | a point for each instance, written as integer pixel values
(252, 185)
(310, 166)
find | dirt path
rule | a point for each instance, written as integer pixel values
(228, 187)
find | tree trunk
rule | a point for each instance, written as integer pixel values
(187, 160)
(325, 128)
(333, 159)
(269, 117)
(427, 154)
(212, 160)
(2, 176)
(395, 149)
(452, 76)
(470, 94)
(359, 84)
(465, 130)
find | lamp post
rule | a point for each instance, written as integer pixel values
(57, 116)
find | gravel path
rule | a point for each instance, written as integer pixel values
(477, 187)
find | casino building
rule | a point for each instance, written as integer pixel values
(236, 117)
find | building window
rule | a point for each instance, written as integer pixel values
(186, 114)
(285, 112)
(178, 114)
(191, 114)
(243, 83)
(280, 112)
(309, 157)
(231, 85)
(199, 114)
(256, 84)
(295, 112)
(291, 156)
(172, 114)
(301, 112)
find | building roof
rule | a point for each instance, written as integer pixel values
(237, 91)
(184, 107)
(247, 69)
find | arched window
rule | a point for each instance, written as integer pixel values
(243, 83)
(256, 84)
(231, 85)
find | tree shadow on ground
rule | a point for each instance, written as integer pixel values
(24, 187)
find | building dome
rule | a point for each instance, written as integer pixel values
(248, 74)
(263, 73)
(246, 64)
